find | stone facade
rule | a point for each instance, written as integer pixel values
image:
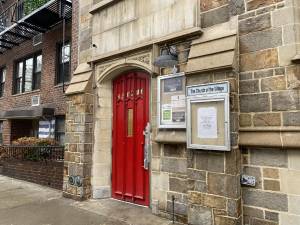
(275, 198)
(271, 80)
(214, 177)
(79, 145)
(264, 106)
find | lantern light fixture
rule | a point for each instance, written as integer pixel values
(168, 57)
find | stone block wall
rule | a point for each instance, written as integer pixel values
(205, 184)
(169, 178)
(214, 195)
(102, 155)
(275, 198)
(264, 97)
(79, 145)
(269, 80)
(269, 106)
(85, 35)
(169, 161)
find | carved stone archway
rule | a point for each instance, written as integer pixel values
(102, 159)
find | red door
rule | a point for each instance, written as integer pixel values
(130, 180)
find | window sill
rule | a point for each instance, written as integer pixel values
(26, 93)
(60, 85)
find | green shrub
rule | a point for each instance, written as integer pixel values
(31, 5)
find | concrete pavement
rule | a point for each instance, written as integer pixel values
(23, 203)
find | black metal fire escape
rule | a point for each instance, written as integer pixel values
(22, 21)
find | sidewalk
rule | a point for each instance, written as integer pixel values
(23, 203)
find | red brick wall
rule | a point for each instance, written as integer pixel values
(50, 93)
(75, 34)
(48, 174)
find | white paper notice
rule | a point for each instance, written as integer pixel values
(207, 123)
(178, 101)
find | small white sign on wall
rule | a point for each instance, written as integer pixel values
(178, 101)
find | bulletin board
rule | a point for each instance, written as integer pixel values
(208, 120)
(171, 101)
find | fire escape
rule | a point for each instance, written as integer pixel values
(25, 19)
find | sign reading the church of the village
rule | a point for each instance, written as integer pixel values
(171, 101)
(208, 115)
(208, 89)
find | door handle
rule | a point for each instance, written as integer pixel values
(147, 145)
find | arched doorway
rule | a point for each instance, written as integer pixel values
(131, 96)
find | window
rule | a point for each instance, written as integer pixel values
(28, 74)
(1, 132)
(63, 66)
(2, 80)
(60, 130)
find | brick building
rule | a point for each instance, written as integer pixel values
(35, 67)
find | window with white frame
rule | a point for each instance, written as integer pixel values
(28, 74)
(63, 65)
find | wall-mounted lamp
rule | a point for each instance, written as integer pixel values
(168, 57)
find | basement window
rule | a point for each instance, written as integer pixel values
(28, 74)
(2, 80)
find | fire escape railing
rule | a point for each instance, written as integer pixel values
(26, 18)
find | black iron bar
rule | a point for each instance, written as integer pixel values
(32, 27)
(4, 46)
(27, 30)
(18, 35)
(8, 42)
(34, 153)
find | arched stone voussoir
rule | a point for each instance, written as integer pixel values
(109, 71)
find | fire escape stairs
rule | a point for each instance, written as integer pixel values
(18, 24)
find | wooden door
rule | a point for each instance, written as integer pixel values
(130, 180)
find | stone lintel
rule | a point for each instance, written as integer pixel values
(271, 138)
(196, 31)
(171, 137)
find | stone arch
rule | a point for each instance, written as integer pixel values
(102, 157)
(110, 71)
